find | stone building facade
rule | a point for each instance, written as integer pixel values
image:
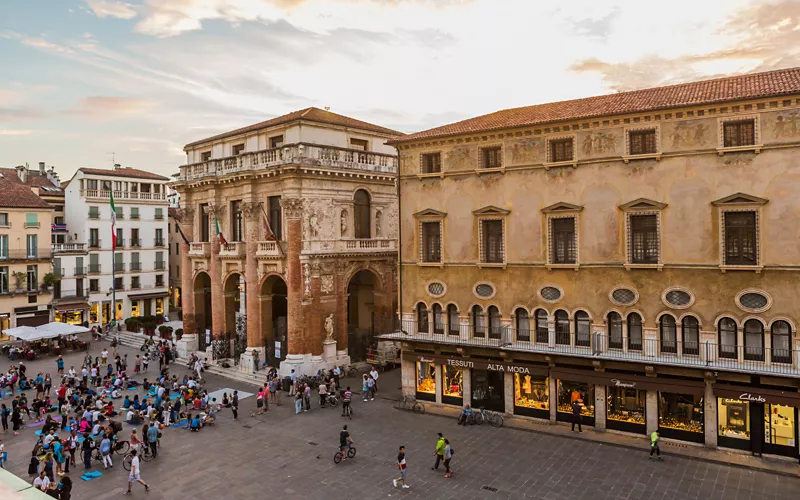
(304, 271)
(637, 252)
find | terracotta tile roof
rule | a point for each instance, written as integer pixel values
(37, 179)
(124, 172)
(734, 88)
(308, 114)
(15, 194)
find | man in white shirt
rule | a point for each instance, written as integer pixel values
(198, 366)
(374, 374)
(135, 475)
(42, 482)
(104, 357)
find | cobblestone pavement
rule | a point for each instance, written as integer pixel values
(283, 455)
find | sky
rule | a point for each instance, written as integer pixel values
(85, 83)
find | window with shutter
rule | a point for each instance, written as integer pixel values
(642, 142)
(492, 157)
(431, 163)
(740, 238)
(739, 133)
(644, 239)
(492, 241)
(361, 214)
(564, 249)
(561, 150)
(431, 241)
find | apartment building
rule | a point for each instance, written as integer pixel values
(174, 244)
(636, 253)
(138, 270)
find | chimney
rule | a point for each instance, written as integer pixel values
(41, 168)
(117, 166)
(22, 173)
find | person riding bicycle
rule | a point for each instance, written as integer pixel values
(345, 442)
(346, 395)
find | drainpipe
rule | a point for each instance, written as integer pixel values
(399, 248)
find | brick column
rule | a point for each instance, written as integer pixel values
(187, 286)
(315, 333)
(215, 268)
(293, 212)
(341, 306)
(252, 211)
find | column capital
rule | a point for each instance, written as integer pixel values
(217, 209)
(251, 210)
(292, 207)
(184, 214)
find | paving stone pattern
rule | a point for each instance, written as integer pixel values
(281, 455)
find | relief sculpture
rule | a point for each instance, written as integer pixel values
(686, 135)
(786, 125)
(599, 143)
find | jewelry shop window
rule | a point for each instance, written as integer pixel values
(570, 392)
(733, 423)
(680, 416)
(453, 387)
(531, 395)
(426, 381)
(626, 409)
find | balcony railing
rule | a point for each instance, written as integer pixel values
(235, 249)
(80, 271)
(706, 355)
(350, 245)
(159, 284)
(160, 265)
(268, 249)
(32, 225)
(95, 268)
(25, 254)
(200, 249)
(119, 267)
(135, 242)
(70, 294)
(159, 243)
(69, 247)
(135, 215)
(94, 214)
(95, 243)
(294, 154)
(136, 266)
(105, 195)
(120, 242)
(135, 285)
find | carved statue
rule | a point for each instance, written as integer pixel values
(312, 226)
(344, 222)
(329, 328)
(378, 216)
(307, 272)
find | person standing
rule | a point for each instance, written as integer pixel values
(293, 378)
(337, 372)
(198, 367)
(105, 451)
(323, 394)
(365, 386)
(104, 357)
(654, 437)
(4, 412)
(403, 466)
(439, 452)
(60, 365)
(260, 401)
(374, 374)
(371, 388)
(135, 475)
(88, 444)
(152, 439)
(3, 455)
(448, 455)
(298, 403)
(307, 396)
(576, 415)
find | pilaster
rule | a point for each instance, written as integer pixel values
(651, 411)
(600, 407)
(252, 213)
(186, 221)
(215, 268)
(293, 213)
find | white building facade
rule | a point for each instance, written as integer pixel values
(138, 270)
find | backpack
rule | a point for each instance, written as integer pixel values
(452, 450)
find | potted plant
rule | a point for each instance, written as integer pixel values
(20, 279)
(178, 333)
(165, 331)
(48, 280)
(132, 325)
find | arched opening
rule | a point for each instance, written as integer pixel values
(634, 332)
(361, 319)
(583, 329)
(754, 340)
(727, 338)
(478, 325)
(542, 332)
(669, 334)
(361, 215)
(614, 330)
(438, 319)
(522, 324)
(453, 326)
(202, 305)
(234, 291)
(781, 335)
(562, 327)
(690, 329)
(495, 328)
(274, 317)
(422, 318)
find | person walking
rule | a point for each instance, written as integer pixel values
(654, 437)
(365, 386)
(439, 452)
(198, 367)
(4, 412)
(448, 455)
(3, 455)
(135, 475)
(374, 374)
(576, 415)
(235, 405)
(371, 388)
(307, 396)
(293, 379)
(60, 365)
(105, 451)
(403, 466)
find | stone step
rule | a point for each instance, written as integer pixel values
(232, 373)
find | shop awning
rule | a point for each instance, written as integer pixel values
(47, 331)
(626, 381)
(757, 394)
(67, 305)
(143, 296)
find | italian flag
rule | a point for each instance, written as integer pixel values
(222, 240)
(113, 222)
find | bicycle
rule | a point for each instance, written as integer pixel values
(351, 452)
(332, 400)
(410, 403)
(145, 454)
(121, 447)
(349, 371)
(347, 410)
(484, 415)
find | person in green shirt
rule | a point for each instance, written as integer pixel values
(654, 437)
(439, 452)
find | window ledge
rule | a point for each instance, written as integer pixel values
(550, 267)
(490, 265)
(648, 156)
(496, 170)
(423, 175)
(630, 266)
(430, 264)
(736, 149)
(557, 164)
(725, 268)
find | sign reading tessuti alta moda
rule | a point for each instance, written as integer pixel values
(481, 364)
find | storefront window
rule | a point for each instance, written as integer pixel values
(136, 310)
(531, 392)
(681, 412)
(74, 317)
(159, 307)
(734, 418)
(569, 392)
(5, 322)
(488, 389)
(106, 312)
(779, 425)
(453, 386)
(118, 315)
(426, 380)
(626, 405)
(94, 313)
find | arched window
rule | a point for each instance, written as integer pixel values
(542, 334)
(614, 328)
(453, 327)
(422, 318)
(669, 334)
(438, 319)
(727, 338)
(522, 323)
(478, 325)
(634, 332)
(494, 323)
(781, 335)
(583, 329)
(690, 329)
(361, 214)
(562, 327)
(754, 340)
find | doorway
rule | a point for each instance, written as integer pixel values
(360, 314)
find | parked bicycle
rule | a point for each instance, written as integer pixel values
(484, 415)
(410, 403)
(145, 453)
(332, 400)
(351, 452)
(349, 371)
(121, 447)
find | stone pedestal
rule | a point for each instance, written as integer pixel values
(251, 360)
(342, 358)
(329, 351)
(187, 344)
(308, 364)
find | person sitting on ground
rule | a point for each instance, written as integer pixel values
(136, 418)
(225, 402)
(49, 423)
(196, 402)
(116, 394)
(466, 416)
(210, 417)
(126, 403)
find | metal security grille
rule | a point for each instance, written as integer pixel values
(436, 289)
(561, 150)
(740, 133)
(624, 295)
(484, 290)
(551, 293)
(642, 142)
(678, 298)
(563, 234)
(644, 239)
(753, 301)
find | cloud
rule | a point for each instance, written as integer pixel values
(110, 107)
(40, 43)
(17, 132)
(598, 28)
(111, 8)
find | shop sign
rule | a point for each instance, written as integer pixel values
(770, 396)
(753, 398)
(478, 364)
(625, 384)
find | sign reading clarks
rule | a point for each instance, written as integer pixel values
(480, 364)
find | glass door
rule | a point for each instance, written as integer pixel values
(780, 430)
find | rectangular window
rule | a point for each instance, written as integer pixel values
(431, 163)
(453, 386)
(4, 219)
(177, 248)
(79, 269)
(135, 241)
(57, 267)
(739, 133)
(564, 249)
(119, 265)
(136, 265)
(237, 149)
(159, 213)
(276, 141)
(159, 261)
(644, 239)
(740, 239)
(642, 142)
(91, 183)
(33, 278)
(31, 220)
(561, 150)
(431, 240)
(361, 144)
(531, 393)
(120, 211)
(94, 285)
(426, 381)
(159, 237)
(120, 239)
(94, 212)
(492, 241)
(94, 263)
(94, 238)
(275, 221)
(134, 212)
(3, 246)
(205, 222)
(4, 279)
(118, 284)
(135, 282)
(159, 280)
(733, 418)
(32, 244)
(492, 157)
(205, 156)
(237, 221)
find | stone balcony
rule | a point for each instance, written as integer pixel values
(200, 249)
(234, 250)
(271, 250)
(365, 246)
(293, 154)
(69, 248)
(103, 194)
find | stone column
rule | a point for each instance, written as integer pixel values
(600, 407)
(252, 213)
(409, 375)
(315, 334)
(651, 411)
(710, 414)
(185, 216)
(439, 379)
(466, 386)
(215, 268)
(508, 392)
(553, 398)
(293, 212)
(340, 278)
